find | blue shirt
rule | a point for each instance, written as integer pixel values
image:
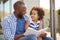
(20, 26)
(9, 26)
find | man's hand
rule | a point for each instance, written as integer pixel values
(16, 37)
(43, 35)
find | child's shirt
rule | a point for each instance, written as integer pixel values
(33, 25)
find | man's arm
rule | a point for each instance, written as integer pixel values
(7, 31)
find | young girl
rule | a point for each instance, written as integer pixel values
(36, 23)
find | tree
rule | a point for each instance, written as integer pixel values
(58, 11)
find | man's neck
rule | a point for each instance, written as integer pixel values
(16, 15)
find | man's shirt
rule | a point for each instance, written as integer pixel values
(9, 27)
(20, 26)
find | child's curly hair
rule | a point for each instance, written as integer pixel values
(40, 12)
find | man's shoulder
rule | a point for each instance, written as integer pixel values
(7, 18)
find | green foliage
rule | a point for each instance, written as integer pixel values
(58, 11)
(58, 29)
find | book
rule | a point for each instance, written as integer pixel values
(30, 31)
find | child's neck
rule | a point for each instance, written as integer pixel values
(35, 21)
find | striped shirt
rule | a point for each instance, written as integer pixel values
(33, 25)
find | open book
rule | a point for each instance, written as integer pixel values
(30, 31)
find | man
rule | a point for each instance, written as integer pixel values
(13, 26)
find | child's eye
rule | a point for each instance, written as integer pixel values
(34, 14)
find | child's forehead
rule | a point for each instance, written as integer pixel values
(34, 11)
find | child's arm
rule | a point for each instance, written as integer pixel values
(27, 24)
(40, 25)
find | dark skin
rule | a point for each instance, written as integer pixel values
(19, 12)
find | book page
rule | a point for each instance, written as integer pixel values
(30, 31)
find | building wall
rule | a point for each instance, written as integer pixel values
(30, 3)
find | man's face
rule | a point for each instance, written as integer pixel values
(21, 10)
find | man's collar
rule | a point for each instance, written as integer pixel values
(14, 17)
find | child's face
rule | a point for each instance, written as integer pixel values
(34, 15)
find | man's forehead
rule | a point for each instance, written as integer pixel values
(22, 5)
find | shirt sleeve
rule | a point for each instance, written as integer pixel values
(7, 31)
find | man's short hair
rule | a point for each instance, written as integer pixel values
(18, 3)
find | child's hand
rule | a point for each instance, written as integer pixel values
(28, 22)
(43, 35)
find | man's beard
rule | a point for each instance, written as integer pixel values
(20, 16)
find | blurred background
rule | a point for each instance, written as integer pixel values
(6, 9)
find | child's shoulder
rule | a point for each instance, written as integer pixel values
(38, 21)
